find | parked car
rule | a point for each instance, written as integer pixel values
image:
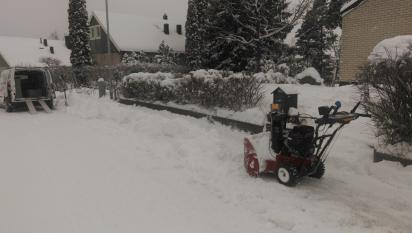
(24, 86)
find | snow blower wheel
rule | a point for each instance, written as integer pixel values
(320, 171)
(287, 175)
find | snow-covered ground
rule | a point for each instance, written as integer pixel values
(97, 166)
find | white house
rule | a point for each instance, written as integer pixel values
(20, 51)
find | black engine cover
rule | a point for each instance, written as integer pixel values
(300, 140)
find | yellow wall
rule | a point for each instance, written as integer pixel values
(367, 25)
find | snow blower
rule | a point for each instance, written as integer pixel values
(295, 150)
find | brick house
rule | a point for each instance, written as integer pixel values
(129, 33)
(365, 24)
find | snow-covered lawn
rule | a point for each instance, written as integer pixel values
(98, 167)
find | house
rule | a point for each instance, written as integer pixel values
(19, 51)
(129, 33)
(365, 24)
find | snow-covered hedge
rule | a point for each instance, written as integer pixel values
(63, 74)
(210, 88)
(274, 77)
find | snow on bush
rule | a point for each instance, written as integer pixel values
(150, 86)
(274, 73)
(211, 88)
(392, 48)
(309, 76)
(274, 77)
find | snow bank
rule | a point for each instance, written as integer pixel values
(310, 76)
(401, 150)
(392, 48)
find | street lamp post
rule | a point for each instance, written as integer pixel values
(108, 29)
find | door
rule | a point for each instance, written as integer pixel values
(12, 84)
(4, 76)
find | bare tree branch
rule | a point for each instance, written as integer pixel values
(268, 30)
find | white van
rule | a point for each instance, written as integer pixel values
(25, 86)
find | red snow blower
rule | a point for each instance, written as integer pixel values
(299, 150)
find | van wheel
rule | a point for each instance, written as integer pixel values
(8, 105)
(50, 103)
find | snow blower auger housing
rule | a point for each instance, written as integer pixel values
(290, 150)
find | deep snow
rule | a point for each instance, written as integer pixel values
(97, 166)
(392, 48)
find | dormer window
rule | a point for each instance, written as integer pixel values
(166, 28)
(95, 32)
(179, 29)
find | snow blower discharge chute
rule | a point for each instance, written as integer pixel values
(289, 149)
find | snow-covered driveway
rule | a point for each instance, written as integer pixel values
(98, 167)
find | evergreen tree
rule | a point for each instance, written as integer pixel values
(132, 58)
(196, 32)
(334, 16)
(315, 39)
(241, 33)
(165, 55)
(79, 37)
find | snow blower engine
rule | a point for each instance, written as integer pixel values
(295, 150)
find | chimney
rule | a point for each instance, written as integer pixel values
(179, 29)
(51, 49)
(166, 28)
(45, 42)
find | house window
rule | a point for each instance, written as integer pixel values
(95, 32)
(179, 29)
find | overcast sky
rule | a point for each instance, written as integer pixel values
(39, 18)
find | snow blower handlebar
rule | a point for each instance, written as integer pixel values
(343, 118)
(338, 117)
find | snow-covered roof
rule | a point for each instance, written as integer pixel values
(132, 32)
(349, 6)
(20, 51)
(392, 48)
